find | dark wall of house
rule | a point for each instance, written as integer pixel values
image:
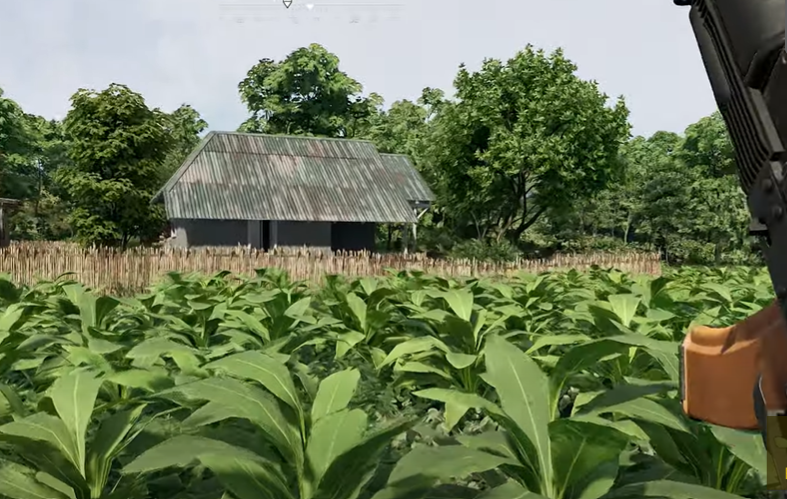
(190, 233)
(346, 236)
(350, 236)
(266, 235)
(298, 234)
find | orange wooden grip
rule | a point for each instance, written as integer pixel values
(721, 365)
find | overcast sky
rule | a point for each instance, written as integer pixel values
(196, 51)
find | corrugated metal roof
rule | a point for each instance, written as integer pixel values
(411, 183)
(238, 176)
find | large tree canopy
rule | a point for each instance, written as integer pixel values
(306, 93)
(117, 146)
(17, 164)
(523, 137)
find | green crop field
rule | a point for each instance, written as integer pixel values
(561, 384)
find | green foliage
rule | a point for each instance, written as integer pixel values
(526, 159)
(16, 145)
(523, 137)
(562, 386)
(117, 146)
(306, 93)
(670, 198)
(491, 251)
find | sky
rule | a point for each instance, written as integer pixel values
(196, 51)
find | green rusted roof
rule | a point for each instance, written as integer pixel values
(238, 176)
(411, 183)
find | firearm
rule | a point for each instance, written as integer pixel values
(742, 45)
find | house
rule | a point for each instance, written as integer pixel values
(268, 191)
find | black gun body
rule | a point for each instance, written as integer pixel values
(742, 47)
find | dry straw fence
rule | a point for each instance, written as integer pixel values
(136, 269)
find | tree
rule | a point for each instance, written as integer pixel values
(117, 146)
(402, 128)
(678, 194)
(42, 215)
(307, 94)
(523, 137)
(185, 128)
(17, 172)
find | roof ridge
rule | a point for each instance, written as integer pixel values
(287, 136)
(247, 153)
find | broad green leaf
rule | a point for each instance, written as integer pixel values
(747, 446)
(73, 397)
(455, 410)
(669, 362)
(251, 403)
(462, 398)
(524, 396)
(510, 490)
(461, 303)
(246, 478)
(411, 346)
(358, 307)
(644, 409)
(252, 323)
(265, 370)
(83, 357)
(102, 347)
(156, 348)
(630, 428)
(421, 368)
(180, 452)
(188, 363)
(107, 444)
(597, 483)
(362, 459)
(18, 482)
(335, 393)
(556, 340)
(150, 380)
(423, 467)
(44, 427)
(665, 489)
(494, 442)
(623, 393)
(9, 319)
(577, 359)
(378, 356)
(210, 413)
(460, 360)
(669, 347)
(346, 341)
(625, 307)
(331, 436)
(578, 449)
(719, 289)
(298, 309)
(15, 402)
(92, 309)
(309, 382)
